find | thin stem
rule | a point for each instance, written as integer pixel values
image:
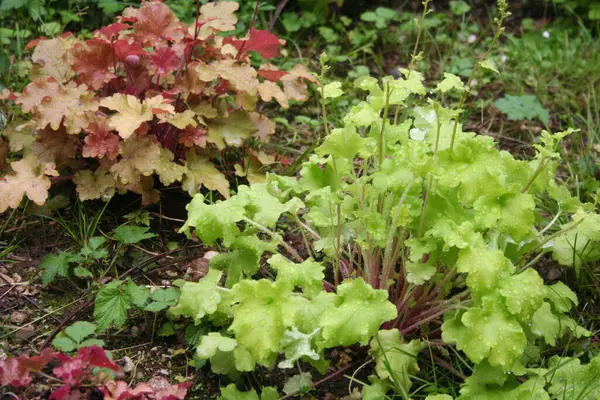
(305, 239)
(383, 125)
(414, 55)
(439, 313)
(535, 175)
(328, 377)
(389, 248)
(500, 29)
(275, 236)
(430, 183)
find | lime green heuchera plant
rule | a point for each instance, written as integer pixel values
(416, 234)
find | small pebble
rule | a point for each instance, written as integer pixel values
(18, 317)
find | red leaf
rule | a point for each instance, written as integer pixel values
(96, 356)
(100, 142)
(156, 23)
(165, 60)
(113, 29)
(142, 130)
(272, 75)
(165, 391)
(13, 373)
(193, 136)
(120, 391)
(123, 49)
(263, 42)
(72, 370)
(283, 160)
(92, 60)
(131, 20)
(32, 43)
(64, 393)
(36, 363)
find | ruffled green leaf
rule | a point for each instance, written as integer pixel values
(487, 331)
(356, 315)
(262, 315)
(395, 359)
(307, 275)
(200, 298)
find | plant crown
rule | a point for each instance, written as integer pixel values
(407, 221)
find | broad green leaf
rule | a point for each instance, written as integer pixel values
(484, 267)
(138, 294)
(561, 297)
(450, 82)
(333, 90)
(343, 143)
(200, 298)
(114, 300)
(362, 114)
(545, 324)
(231, 392)
(570, 379)
(168, 295)
(295, 345)
(298, 383)
(214, 221)
(262, 315)
(212, 342)
(486, 331)
(459, 7)
(524, 294)
(64, 343)
(80, 330)
(244, 259)
(263, 207)
(532, 389)
(522, 107)
(356, 315)
(307, 275)
(12, 4)
(490, 65)
(81, 272)
(231, 130)
(201, 172)
(485, 374)
(386, 13)
(129, 234)
(93, 248)
(418, 273)
(53, 265)
(395, 359)
(580, 244)
(91, 342)
(377, 389)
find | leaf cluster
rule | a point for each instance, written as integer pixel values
(90, 369)
(437, 218)
(147, 96)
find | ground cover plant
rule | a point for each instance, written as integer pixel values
(395, 251)
(147, 95)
